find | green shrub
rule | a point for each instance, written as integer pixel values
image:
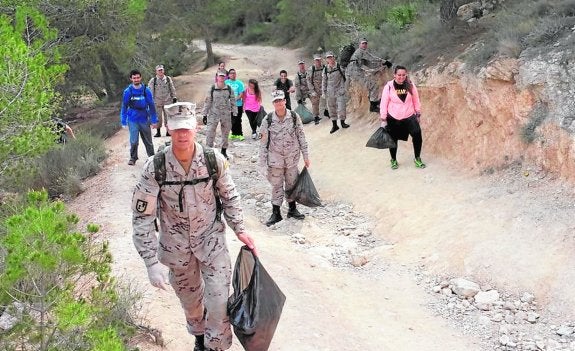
(401, 16)
(56, 281)
(547, 30)
(60, 170)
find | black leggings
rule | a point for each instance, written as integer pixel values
(399, 129)
(253, 118)
(237, 122)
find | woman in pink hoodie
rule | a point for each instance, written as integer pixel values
(400, 111)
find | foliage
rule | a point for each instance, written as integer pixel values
(57, 284)
(27, 94)
(61, 169)
(401, 16)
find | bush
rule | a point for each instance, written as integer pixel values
(56, 283)
(61, 169)
(536, 118)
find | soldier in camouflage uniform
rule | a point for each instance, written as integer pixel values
(360, 61)
(191, 239)
(220, 106)
(164, 93)
(301, 86)
(314, 83)
(283, 140)
(333, 88)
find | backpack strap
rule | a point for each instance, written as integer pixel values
(214, 88)
(212, 165)
(269, 118)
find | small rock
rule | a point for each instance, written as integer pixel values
(464, 288)
(498, 317)
(446, 291)
(359, 260)
(504, 339)
(437, 289)
(532, 317)
(527, 297)
(487, 297)
(565, 330)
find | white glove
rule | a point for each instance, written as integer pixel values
(383, 124)
(158, 275)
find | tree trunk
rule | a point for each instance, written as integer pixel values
(210, 59)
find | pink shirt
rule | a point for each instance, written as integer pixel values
(251, 102)
(391, 104)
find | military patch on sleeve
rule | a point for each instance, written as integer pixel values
(143, 203)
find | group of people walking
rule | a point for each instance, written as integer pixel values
(188, 187)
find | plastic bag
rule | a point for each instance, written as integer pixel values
(304, 192)
(381, 139)
(260, 116)
(256, 304)
(305, 114)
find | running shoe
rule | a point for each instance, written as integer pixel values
(394, 164)
(419, 163)
(240, 137)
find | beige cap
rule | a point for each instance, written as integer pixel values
(158, 67)
(317, 57)
(362, 40)
(181, 115)
(222, 73)
(329, 54)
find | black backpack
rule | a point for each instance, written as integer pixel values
(345, 55)
(132, 102)
(337, 68)
(211, 163)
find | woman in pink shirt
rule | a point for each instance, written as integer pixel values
(400, 111)
(252, 104)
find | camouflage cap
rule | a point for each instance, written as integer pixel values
(159, 67)
(329, 54)
(300, 61)
(362, 40)
(222, 73)
(278, 95)
(181, 115)
(317, 57)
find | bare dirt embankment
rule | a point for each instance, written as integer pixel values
(508, 230)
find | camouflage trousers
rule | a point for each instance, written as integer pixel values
(203, 291)
(281, 179)
(367, 80)
(317, 104)
(336, 107)
(162, 120)
(225, 121)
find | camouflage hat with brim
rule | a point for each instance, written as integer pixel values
(317, 57)
(278, 95)
(363, 40)
(181, 115)
(329, 54)
(301, 61)
(222, 73)
(159, 67)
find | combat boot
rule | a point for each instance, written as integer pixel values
(374, 106)
(343, 124)
(293, 212)
(157, 135)
(224, 152)
(275, 217)
(335, 128)
(167, 133)
(317, 119)
(199, 346)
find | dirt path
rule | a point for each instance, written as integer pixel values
(437, 220)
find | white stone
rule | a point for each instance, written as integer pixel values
(464, 288)
(565, 330)
(487, 297)
(527, 297)
(532, 317)
(504, 339)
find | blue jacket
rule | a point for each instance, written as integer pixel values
(137, 105)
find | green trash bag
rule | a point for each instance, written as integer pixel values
(305, 114)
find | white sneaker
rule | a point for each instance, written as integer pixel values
(254, 136)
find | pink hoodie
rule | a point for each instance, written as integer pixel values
(392, 104)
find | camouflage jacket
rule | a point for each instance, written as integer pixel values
(286, 141)
(301, 86)
(192, 229)
(314, 79)
(220, 102)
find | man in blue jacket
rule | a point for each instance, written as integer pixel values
(139, 115)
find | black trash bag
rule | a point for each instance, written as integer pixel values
(381, 140)
(260, 116)
(305, 114)
(256, 304)
(304, 192)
